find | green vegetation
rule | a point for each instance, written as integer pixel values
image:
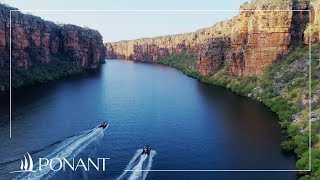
(284, 88)
(59, 67)
(183, 61)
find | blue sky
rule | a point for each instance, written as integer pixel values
(115, 26)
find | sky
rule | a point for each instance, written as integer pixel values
(126, 25)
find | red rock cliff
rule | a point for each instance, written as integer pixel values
(312, 32)
(35, 40)
(255, 40)
(246, 44)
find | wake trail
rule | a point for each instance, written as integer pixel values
(149, 164)
(138, 167)
(130, 164)
(68, 149)
(8, 162)
(135, 157)
(137, 173)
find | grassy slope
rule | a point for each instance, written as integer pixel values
(283, 88)
(60, 66)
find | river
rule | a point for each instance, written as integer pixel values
(188, 124)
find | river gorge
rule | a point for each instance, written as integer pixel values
(242, 94)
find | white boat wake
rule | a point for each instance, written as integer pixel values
(137, 168)
(68, 149)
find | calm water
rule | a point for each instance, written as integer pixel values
(190, 125)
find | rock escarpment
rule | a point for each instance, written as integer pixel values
(312, 32)
(255, 40)
(246, 44)
(36, 41)
(211, 56)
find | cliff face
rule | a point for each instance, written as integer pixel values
(246, 44)
(312, 32)
(255, 40)
(35, 40)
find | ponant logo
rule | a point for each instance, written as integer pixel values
(57, 164)
(26, 164)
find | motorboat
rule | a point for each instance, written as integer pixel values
(146, 150)
(103, 125)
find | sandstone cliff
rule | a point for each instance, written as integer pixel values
(36, 41)
(246, 44)
(312, 31)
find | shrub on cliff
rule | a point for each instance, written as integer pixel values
(60, 66)
(303, 163)
(184, 61)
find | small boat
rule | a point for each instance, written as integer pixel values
(146, 150)
(103, 125)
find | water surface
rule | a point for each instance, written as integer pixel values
(191, 125)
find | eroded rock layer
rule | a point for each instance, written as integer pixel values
(35, 40)
(246, 44)
(312, 32)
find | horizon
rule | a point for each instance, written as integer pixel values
(128, 23)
